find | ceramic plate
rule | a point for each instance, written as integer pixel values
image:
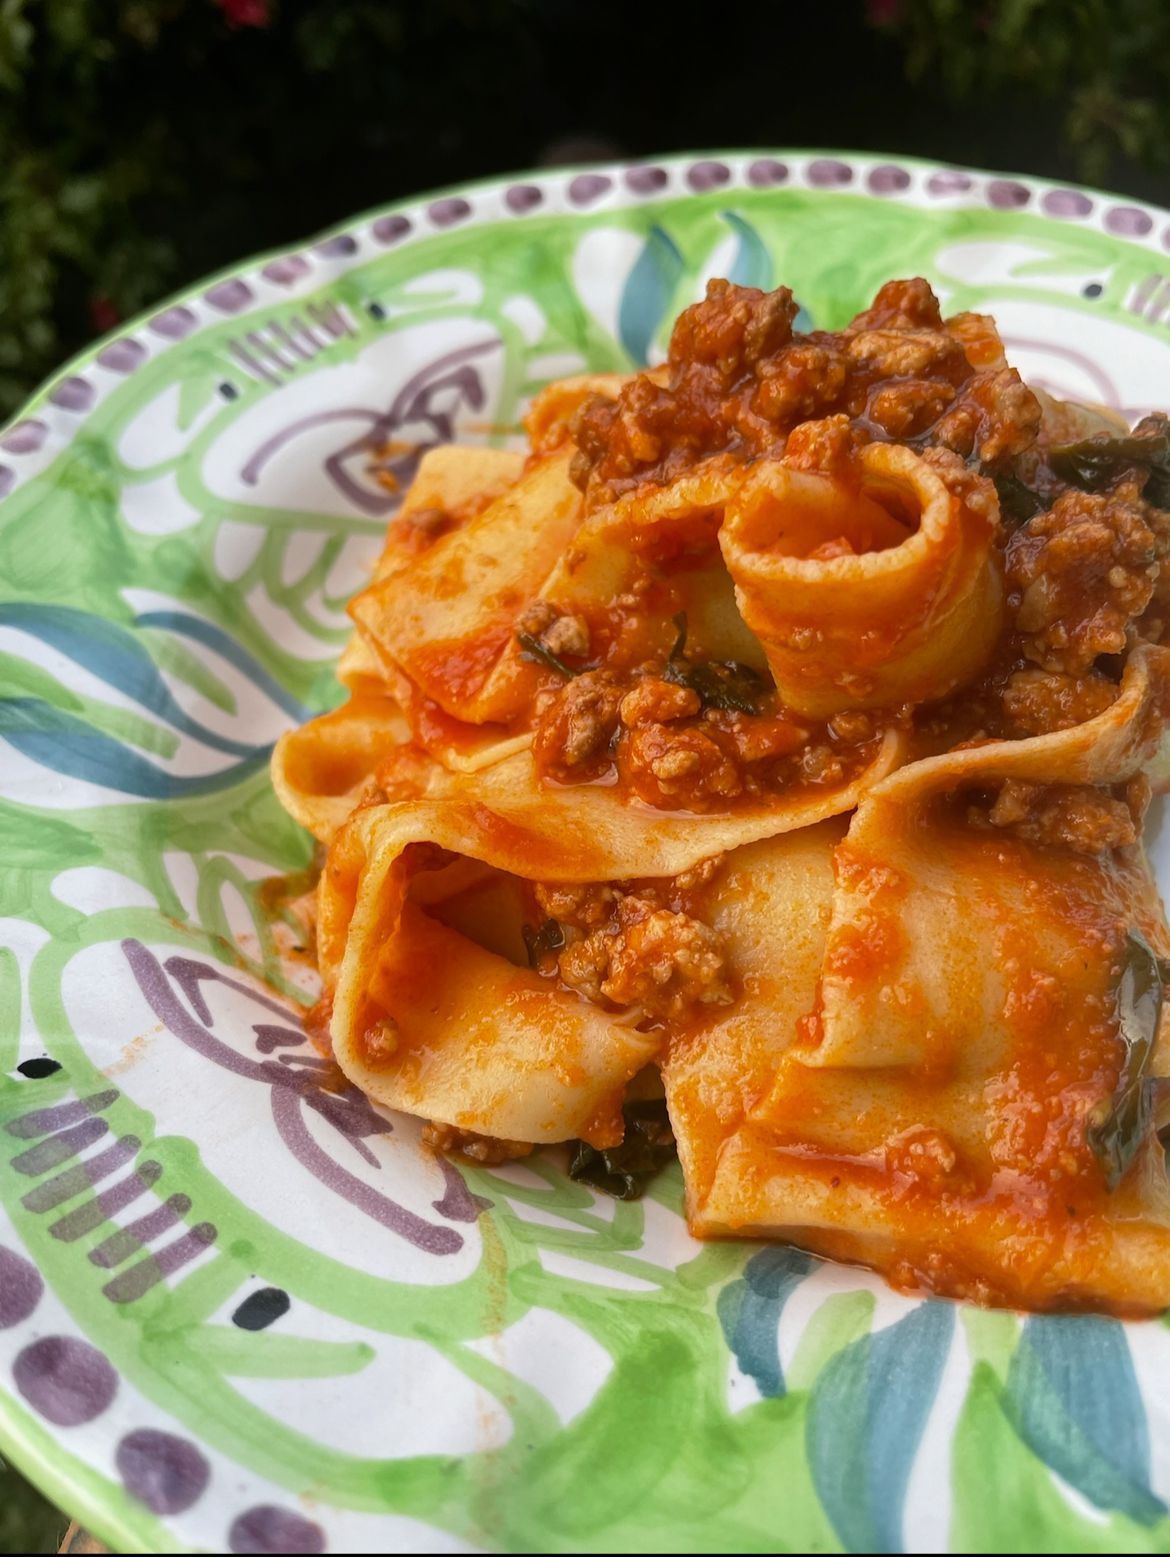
(240, 1314)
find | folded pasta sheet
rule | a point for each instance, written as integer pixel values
(968, 1102)
(776, 735)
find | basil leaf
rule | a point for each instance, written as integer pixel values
(532, 649)
(625, 1171)
(725, 684)
(539, 943)
(1016, 501)
(1095, 463)
(1117, 1126)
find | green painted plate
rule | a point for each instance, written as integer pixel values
(240, 1314)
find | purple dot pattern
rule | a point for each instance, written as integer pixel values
(523, 197)
(888, 179)
(229, 296)
(646, 180)
(948, 182)
(1006, 195)
(826, 172)
(122, 356)
(285, 270)
(21, 1289)
(166, 1473)
(25, 438)
(1127, 221)
(73, 394)
(65, 1380)
(343, 243)
(1066, 203)
(7, 480)
(708, 175)
(445, 213)
(767, 171)
(173, 323)
(270, 1529)
(587, 187)
(391, 229)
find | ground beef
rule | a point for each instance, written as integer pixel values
(664, 963)
(483, 1149)
(575, 731)
(1080, 817)
(1037, 702)
(738, 380)
(1083, 572)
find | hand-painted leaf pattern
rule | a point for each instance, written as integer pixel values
(1073, 1395)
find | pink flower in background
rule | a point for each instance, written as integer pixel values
(883, 13)
(245, 13)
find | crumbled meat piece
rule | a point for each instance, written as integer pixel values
(995, 415)
(679, 763)
(828, 445)
(700, 875)
(908, 409)
(536, 617)
(653, 700)
(484, 1149)
(910, 354)
(1037, 702)
(664, 963)
(901, 305)
(1072, 816)
(1084, 570)
(561, 634)
(801, 382)
(733, 327)
(577, 728)
(581, 906)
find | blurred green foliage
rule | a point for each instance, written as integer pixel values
(1104, 63)
(144, 142)
(27, 1522)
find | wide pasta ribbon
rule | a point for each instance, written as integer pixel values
(441, 1023)
(930, 1115)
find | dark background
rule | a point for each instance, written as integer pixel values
(144, 143)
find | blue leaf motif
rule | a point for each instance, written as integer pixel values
(646, 297)
(214, 637)
(752, 265)
(750, 1309)
(1073, 1398)
(62, 742)
(866, 1418)
(114, 656)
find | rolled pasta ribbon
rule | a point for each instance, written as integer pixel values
(873, 585)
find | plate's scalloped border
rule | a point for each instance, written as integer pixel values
(62, 403)
(58, 410)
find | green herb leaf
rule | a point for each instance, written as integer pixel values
(1095, 463)
(1117, 1126)
(625, 1171)
(1016, 501)
(532, 649)
(539, 943)
(723, 684)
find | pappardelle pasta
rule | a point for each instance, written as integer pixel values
(757, 768)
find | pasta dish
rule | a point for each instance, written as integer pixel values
(756, 769)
